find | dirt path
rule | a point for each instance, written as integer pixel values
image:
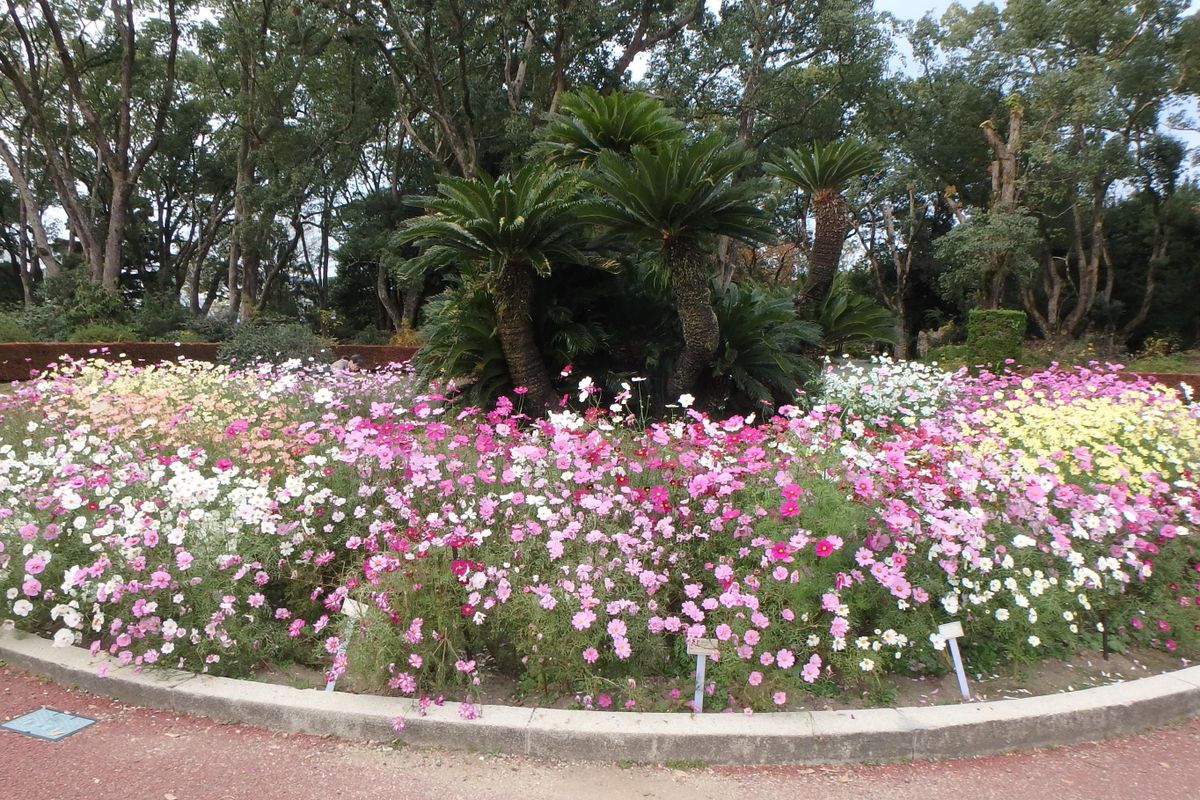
(141, 754)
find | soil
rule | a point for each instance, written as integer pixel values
(1087, 669)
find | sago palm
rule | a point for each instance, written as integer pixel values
(500, 233)
(591, 122)
(821, 172)
(677, 197)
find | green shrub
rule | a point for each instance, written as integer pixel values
(211, 329)
(994, 336)
(160, 316)
(103, 332)
(12, 329)
(950, 356)
(275, 343)
(70, 301)
(370, 335)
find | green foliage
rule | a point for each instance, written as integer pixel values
(949, 356)
(821, 168)
(273, 342)
(371, 335)
(461, 344)
(591, 122)
(104, 332)
(851, 322)
(212, 328)
(12, 328)
(762, 346)
(69, 302)
(1004, 241)
(482, 224)
(994, 336)
(678, 192)
(159, 316)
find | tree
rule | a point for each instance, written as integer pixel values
(55, 72)
(590, 123)
(501, 234)
(822, 171)
(676, 197)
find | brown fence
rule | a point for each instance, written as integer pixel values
(22, 360)
(1173, 379)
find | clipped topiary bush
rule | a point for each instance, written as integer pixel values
(274, 343)
(994, 336)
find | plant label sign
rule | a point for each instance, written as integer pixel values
(951, 631)
(701, 649)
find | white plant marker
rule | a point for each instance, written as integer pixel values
(353, 612)
(950, 632)
(701, 649)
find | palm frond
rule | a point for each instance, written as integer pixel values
(820, 168)
(591, 122)
(680, 191)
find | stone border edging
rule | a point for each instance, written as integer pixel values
(879, 734)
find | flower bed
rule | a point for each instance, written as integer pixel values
(217, 520)
(20, 361)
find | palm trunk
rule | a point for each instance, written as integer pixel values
(693, 303)
(828, 240)
(514, 326)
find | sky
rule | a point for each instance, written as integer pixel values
(915, 9)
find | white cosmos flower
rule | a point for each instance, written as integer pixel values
(686, 400)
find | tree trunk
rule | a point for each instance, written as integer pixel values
(412, 300)
(22, 258)
(903, 338)
(115, 240)
(826, 254)
(693, 303)
(386, 300)
(514, 326)
(32, 215)
(1158, 255)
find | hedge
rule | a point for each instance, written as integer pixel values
(994, 336)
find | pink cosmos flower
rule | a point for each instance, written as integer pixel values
(811, 670)
(755, 678)
(823, 548)
(590, 655)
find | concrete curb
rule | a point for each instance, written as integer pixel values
(883, 734)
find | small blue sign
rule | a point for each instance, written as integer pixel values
(48, 724)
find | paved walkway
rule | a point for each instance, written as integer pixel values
(141, 754)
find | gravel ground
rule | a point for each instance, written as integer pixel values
(141, 754)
